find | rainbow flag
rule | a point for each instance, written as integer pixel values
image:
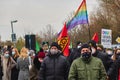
(80, 17)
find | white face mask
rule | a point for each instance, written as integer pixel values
(13, 53)
(93, 50)
(46, 51)
(6, 55)
(53, 51)
(78, 47)
(34, 54)
(109, 52)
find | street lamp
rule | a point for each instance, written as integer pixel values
(13, 35)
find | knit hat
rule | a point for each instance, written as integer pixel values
(85, 46)
(43, 43)
(101, 46)
(92, 43)
(41, 55)
(79, 43)
(55, 44)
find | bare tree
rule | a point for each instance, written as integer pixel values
(48, 33)
(107, 16)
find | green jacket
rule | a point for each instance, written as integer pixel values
(92, 70)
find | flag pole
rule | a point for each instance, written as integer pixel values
(89, 34)
(88, 24)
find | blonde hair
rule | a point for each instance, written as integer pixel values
(16, 52)
(24, 52)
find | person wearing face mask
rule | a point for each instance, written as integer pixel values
(107, 61)
(36, 65)
(8, 65)
(15, 71)
(87, 67)
(45, 47)
(74, 52)
(54, 66)
(31, 54)
(109, 52)
(100, 48)
(116, 67)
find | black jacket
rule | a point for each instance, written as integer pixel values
(14, 71)
(36, 63)
(116, 68)
(74, 54)
(107, 62)
(54, 67)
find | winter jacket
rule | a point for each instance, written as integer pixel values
(115, 70)
(36, 63)
(93, 70)
(74, 54)
(14, 71)
(8, 64)
(107, 62)
(54, 67)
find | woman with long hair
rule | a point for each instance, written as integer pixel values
(23, 64)
(15, 71)
(8, 64)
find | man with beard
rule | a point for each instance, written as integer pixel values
(74, 52)
(87, 67)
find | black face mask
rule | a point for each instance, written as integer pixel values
(86, 55)
(118, 55)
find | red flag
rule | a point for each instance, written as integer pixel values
(63, 41)
(95, 37)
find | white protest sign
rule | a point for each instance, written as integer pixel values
(106, 38)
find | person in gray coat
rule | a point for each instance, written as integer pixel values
(23, 65)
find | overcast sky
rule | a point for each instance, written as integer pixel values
(34, 15)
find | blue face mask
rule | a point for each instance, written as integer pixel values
(13, 53)
(6, 55)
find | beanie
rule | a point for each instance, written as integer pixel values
(41, 55)
(85, 46)
(92, 43)
(43, 43)
(101, 46)
(78, 43)
(55, 44)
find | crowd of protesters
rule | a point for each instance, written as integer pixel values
(87, 61)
